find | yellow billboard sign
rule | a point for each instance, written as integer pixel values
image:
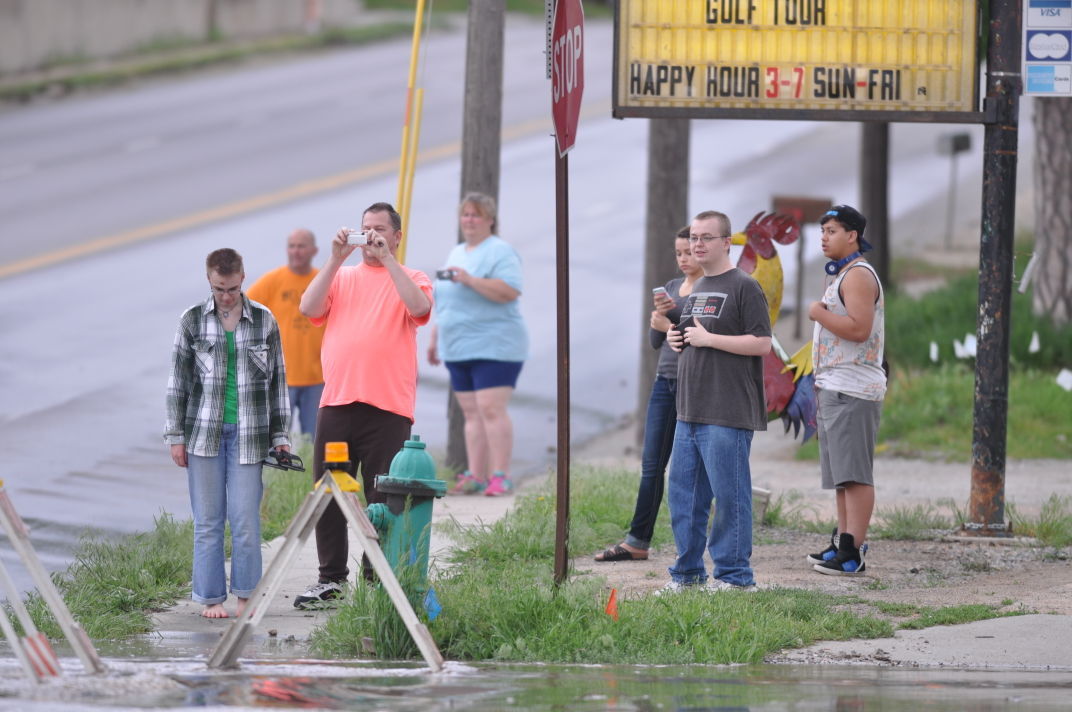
(835, 59)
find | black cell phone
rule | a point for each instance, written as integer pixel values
(680, 328)
(447, 274)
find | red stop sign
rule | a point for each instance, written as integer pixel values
(567, 71)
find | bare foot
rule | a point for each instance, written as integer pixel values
(241, 607)
(216, 610)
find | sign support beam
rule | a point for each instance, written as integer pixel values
(986, 508)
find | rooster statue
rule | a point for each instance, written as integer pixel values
(788, 380)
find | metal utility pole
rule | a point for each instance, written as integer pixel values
(668, 204)
(874, 192)
(481, 144)
(986, 509)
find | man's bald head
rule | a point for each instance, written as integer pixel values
(301, 248)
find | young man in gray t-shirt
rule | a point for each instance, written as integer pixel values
(723, 335)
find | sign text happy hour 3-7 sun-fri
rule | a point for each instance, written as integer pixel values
(795, 57)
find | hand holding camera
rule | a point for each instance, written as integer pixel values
(357, 237)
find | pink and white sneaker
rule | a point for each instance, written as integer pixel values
(467, 483)
(498, 486)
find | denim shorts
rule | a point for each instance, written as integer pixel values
(478, 374)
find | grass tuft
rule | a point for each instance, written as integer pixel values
(112, 586)
(955, 615)
(499, 602)
(1052, 527)
(909, 523)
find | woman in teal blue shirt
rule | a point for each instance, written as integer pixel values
(481, 337)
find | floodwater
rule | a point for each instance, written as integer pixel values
(301, 684)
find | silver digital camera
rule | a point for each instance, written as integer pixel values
(358, 237)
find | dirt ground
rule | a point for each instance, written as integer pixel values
(1012, 576)
(1010, 573)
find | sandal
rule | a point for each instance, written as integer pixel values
(620, 553)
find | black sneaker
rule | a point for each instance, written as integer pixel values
(849, 561)
(318, 595)
(827, 553)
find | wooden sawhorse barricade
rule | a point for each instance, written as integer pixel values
(340, 486)
(33, 650)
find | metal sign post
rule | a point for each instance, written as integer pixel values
(566, 58)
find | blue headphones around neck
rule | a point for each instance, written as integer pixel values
(834, 266)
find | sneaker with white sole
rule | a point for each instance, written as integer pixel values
(719, 586)
(849, 561)
(677, 587)
(318, 595)
(827, 553)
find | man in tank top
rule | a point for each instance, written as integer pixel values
(847, 350)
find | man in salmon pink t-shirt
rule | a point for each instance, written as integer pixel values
(370, 314)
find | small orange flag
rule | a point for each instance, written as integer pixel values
(612, 604)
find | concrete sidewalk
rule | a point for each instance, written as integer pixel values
(1033, 642)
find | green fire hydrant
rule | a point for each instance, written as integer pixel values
(404, 521)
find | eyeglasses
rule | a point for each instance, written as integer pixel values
(706, 238)
(220, 292)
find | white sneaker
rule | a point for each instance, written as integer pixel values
(718, 586)
(318, 595)
(676, 587)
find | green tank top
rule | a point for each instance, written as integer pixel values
(230, 394)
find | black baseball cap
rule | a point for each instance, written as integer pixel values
(851, 219)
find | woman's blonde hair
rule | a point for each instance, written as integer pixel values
(485, 205)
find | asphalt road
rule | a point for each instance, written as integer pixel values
(239, 157)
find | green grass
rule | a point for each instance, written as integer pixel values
(499, 602)
(909, 523)
(1053, 525)
(929, 413)
(926, 617)
(952, 311)
(112, 586)
(284, 491)
(955, 615)
(789, 510)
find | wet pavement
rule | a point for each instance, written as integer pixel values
(355, 686)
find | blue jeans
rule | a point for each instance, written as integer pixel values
(306, 399)
(223, 490)
(658, 442)
(711, 460)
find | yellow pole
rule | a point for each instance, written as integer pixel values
(411, 163)
(404, 159)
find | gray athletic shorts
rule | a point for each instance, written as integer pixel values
(848, 431)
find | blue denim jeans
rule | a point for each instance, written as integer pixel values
(711, 460)
(658, 442)
(306, 399)
(223, 490)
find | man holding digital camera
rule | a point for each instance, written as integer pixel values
(370, 313)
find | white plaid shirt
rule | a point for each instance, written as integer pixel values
(198, 382)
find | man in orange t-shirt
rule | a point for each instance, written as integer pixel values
(370, 313)
(281, 290)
